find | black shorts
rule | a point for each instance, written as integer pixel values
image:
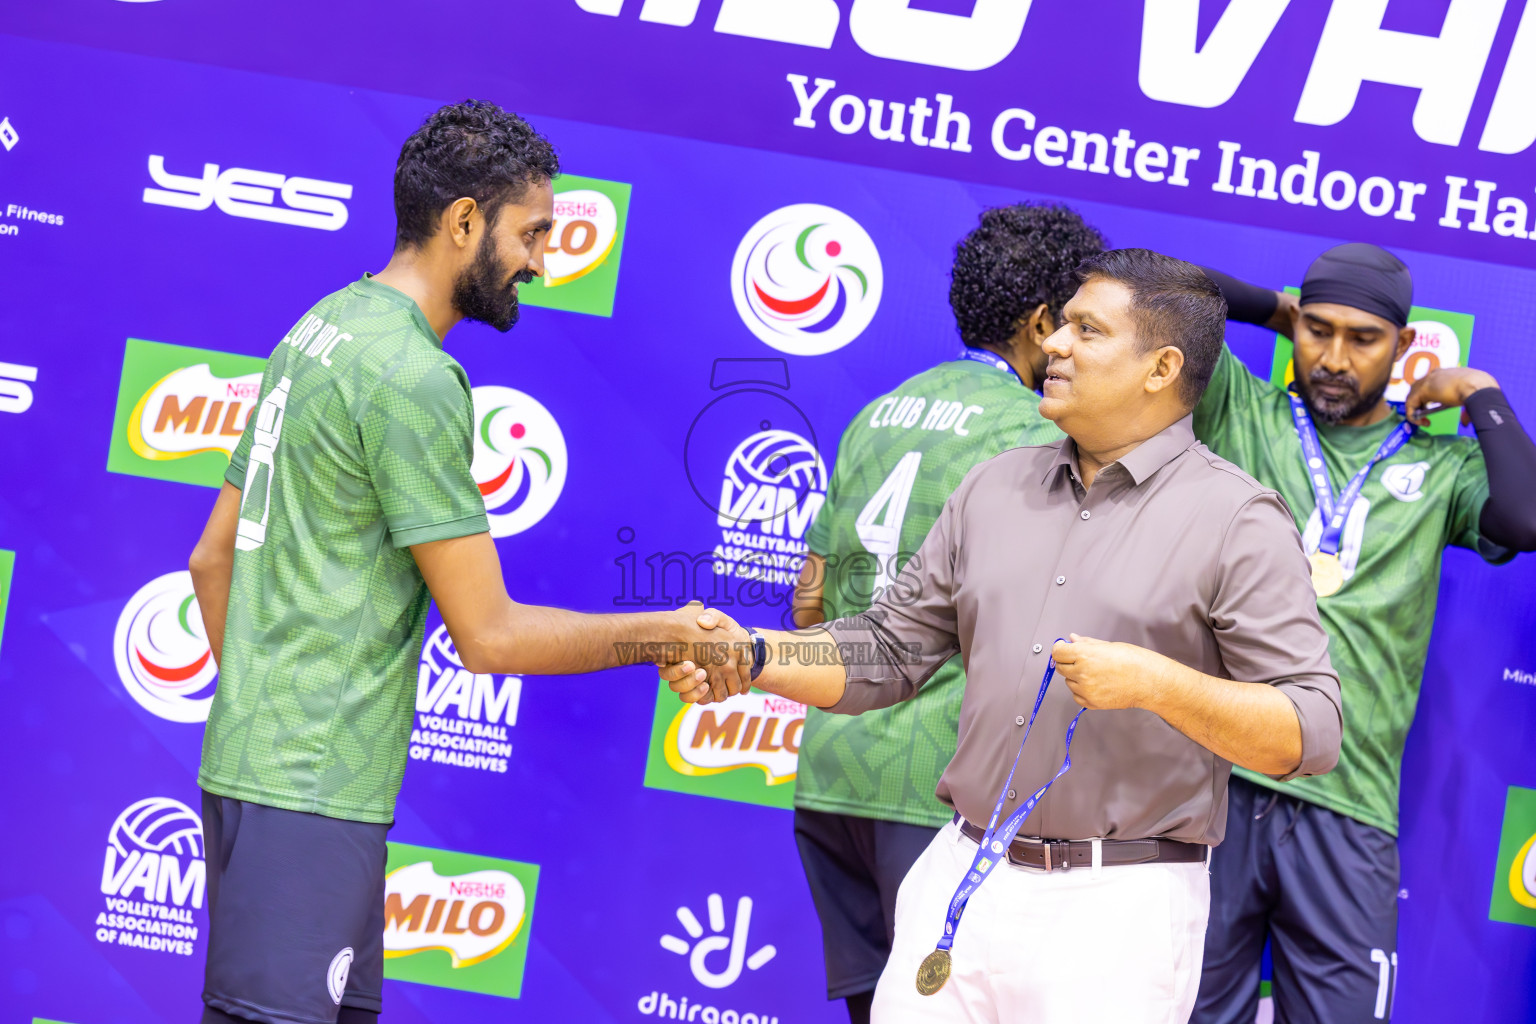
(854, 866)
(295, 913)
(1322, 888)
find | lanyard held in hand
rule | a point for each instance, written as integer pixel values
(934, 970)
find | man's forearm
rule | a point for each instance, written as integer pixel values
(1250, 724)
(532, 639)
(806, 667)
(210, 582)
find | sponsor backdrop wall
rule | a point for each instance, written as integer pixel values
(751, 242)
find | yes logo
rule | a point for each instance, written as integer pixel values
(581, 253)
(15, 395)
(1514, 874)
(456, 920)
(162, 652)
(180, 411)
(241, 192)
(705, 953)
(806, 279)
(520, 458)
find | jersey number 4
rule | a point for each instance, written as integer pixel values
(256, 504)
(879, 524)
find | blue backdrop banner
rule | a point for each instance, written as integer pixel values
(180, 181)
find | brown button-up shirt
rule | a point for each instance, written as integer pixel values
(1172, 549)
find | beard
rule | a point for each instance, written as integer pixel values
(479, 294)
(1334, 409)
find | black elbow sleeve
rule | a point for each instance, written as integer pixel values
(1508, 518)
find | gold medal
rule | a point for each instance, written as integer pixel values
(1327, 573)
(933, 972)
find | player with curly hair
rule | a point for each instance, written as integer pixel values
(348, 505)
(865, 803)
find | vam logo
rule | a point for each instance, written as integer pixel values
(806, 279)
(181, 410)
(162, 652)
(241, 192)
(462, 718)
(698, 947)
(774, 484)
(520, 458)
(153, 877)
(457, 920)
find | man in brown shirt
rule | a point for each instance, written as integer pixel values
(1171, 591)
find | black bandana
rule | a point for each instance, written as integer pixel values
(1363, 277)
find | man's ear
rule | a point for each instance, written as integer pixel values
(1405, 338)
(1039, 324)
(460, 220)
(1167, 368)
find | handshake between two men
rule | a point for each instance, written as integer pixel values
(809, 666)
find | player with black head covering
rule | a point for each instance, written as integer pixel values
(1312, 864)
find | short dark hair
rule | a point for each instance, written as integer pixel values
(472, 149)
(1173, 303)
(1017, 258)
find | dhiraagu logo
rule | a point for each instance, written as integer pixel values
(457, 920)
(1442, 339)
(1514, 876)
(180, 411)
(581, 254)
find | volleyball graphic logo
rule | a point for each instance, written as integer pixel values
(162, 653)
(160, 825)
(807, 279)
(768, 479)
(520, 458)
(155, 854)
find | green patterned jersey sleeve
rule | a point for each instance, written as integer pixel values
(416, 427)
(1224, 406)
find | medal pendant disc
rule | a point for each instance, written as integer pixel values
(933, 972)
(1327, 573)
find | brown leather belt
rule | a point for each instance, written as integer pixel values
(1063, 854)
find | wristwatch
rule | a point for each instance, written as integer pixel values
(759, 653)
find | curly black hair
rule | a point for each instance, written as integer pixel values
(1017, 257)
(473, 149)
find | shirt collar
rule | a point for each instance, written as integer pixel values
(1142, 461)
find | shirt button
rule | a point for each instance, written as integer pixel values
(1019, 720)
(1085, 513)
(1038, 648)
(1060, 580)
(1011, 794)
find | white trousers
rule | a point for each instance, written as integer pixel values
(1122, 946)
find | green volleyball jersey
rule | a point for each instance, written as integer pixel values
(360, 447)
(1426, 496)
(899, 461)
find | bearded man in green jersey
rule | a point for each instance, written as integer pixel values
(348, 505)
(865, 807)
(1311, 864)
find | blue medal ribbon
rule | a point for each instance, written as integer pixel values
(981, 355)
(994, 844)
(1335, 511)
